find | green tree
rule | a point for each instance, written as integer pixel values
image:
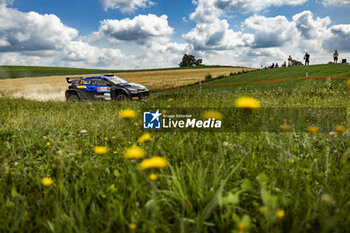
(190, 60)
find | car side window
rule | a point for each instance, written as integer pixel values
(94, 82)
(100, 82)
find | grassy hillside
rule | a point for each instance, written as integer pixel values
(329, 70)
(214, 181)
(41, 71)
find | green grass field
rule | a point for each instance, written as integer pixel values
(330, 70)
(7, 72)
(214, 181)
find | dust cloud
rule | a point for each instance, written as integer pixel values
(40, 92)
(40, 89)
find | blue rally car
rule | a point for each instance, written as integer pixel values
(104, 87)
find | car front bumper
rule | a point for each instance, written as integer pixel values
(140, 95)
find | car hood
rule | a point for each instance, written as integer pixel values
(133, 86)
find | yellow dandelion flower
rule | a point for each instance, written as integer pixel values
(170, 99)
(241, 226)
(285, 128)
(132, 226)
(47, 181)
(100, 150)
(153, 176)
(127, 114)
(312, 129)
(134, 152)
(280, 213)
(115, 152)
(144, 138)
(340, 129)
(48, 143)
(106, 139)
(348, 82)
(247, 103)
(164, 112)
(154, 162)
(213, 115)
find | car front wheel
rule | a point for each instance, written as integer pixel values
(121, 97)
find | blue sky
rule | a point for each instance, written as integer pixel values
(131, 34)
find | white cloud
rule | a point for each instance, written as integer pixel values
(211, 32)
(265, 56)
(339, 39)
(145, 40)
(310, 28)
(21, 31)
(252, 5)
(81, 52)
(139, 29)
(17, 58)
(125, 5)
(209, 10)
(6, 2)
(270, 32)
(270, 39)
(311, 32)
(336, 2)
(206, 12)
(303, 33)
(152, 35)
(215, 36)
(35, 39)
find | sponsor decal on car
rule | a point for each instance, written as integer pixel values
(103, 89)
(81, 86)
(105, 96)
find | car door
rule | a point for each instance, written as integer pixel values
(103, 89)
(99, 89)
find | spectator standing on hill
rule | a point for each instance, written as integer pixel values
(307, 59)
(290, 61)
(335, 56)
(284, 64)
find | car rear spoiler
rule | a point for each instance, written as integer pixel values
(71, 79)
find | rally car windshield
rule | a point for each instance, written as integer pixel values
(117, 80)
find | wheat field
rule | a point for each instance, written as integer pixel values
(53, 87)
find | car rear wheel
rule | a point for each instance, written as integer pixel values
(121, 97)
(73, 98)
